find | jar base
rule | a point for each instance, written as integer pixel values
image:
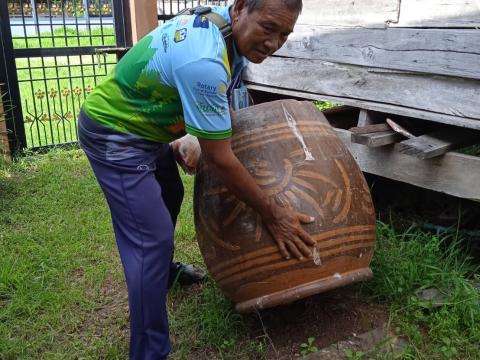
(299, 292)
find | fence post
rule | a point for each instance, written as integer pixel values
(5, 153)
(143, 18)
(9, 86)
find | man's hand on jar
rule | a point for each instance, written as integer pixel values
(285, 225)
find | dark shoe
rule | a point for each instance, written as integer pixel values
(185, 274)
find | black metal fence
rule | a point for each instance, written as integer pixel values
(52, 54)
(168, 9)
(55, 52)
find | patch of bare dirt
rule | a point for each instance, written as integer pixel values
(329, 318)
(110, 316)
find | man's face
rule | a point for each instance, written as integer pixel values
(263, 31)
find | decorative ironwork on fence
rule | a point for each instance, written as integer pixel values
(56, 8)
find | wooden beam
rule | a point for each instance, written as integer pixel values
(440, 94)
(438, 143)
(375, 106)
(399, 129)
(377, 139)
(453, 52)
(143, 18)
(374, 135)
(367, 129)
(438, 14)
(365, 13)
(454, 174)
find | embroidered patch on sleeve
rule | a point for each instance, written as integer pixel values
(201, 21)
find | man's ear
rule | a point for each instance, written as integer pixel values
(238, 6)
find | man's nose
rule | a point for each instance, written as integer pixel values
(273, 44)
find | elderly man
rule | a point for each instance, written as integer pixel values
(175, 81)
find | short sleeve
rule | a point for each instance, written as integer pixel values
(202, 86)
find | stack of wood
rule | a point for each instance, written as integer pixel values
(418, 153)
(423, 146)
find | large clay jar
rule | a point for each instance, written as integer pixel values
(295, 156)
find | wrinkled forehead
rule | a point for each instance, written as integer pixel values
(277, 12)
(280, 4)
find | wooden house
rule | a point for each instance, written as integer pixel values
(415, 62)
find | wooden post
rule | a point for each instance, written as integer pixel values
(5, 154)
(367, 117)
(143, 18)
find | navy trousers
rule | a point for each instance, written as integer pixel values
(144, 192)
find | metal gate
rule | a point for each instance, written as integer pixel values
(52, 54)
(168, 9)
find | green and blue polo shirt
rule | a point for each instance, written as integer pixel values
(173, 81)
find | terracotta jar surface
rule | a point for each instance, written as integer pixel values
(296, 158)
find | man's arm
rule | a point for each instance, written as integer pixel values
(283, 224)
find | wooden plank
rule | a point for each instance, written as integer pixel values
(438, 143)
(454, 174)
(381, 138)
(399, 129)
(374, 135)
(371, 105)
(373, 128)
(439, 13)
(362, 13)
(440, 94)
(453, 52)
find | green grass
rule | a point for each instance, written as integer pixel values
(68, 36)
(324, 105)
(473, 150)
(56, 257)
(413, 260)
(62, 293)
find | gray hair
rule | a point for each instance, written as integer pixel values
(294, 5)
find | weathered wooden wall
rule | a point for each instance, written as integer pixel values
(439, 13)
(419, 58)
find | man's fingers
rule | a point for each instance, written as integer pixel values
(305, 237)
(283, 250)
(305, 219)
(293, 249)
(303, 248)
